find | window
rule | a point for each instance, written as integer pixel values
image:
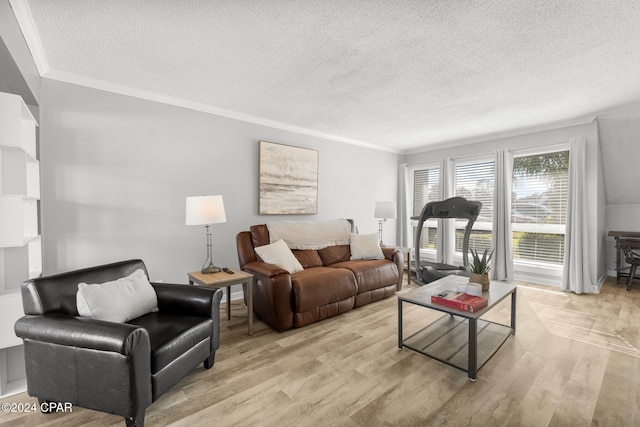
(538, 206)
(426, 188)
(474, 181)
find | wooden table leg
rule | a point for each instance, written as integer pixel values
(617, 261)
(400, 324)
(513, 312)
(409, 267)
(250, 305)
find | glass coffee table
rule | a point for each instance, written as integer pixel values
(459, 338)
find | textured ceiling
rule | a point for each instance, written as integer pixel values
(396, 74)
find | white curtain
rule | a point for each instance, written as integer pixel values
(446, 228)
(405, 237)
(576, 275)
(502, 262)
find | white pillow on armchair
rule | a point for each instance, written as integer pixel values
(117, 301)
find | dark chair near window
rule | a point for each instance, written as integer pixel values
(108, 366)
(630, 257)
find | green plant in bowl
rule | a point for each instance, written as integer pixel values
(480, 265)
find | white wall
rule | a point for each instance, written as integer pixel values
(619, 136)
(540, 139)
(116, 171)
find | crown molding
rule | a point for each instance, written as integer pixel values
(201, 107)
(29, 31)
(581, 120)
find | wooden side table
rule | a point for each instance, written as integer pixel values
(226, 280)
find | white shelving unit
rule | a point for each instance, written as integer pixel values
(20, 242)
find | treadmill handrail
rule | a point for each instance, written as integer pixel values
(452, 208)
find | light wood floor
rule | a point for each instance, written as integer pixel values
(574, 361)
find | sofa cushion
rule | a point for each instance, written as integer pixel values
(371, 274)
(308, 257)
(278, 253)
(365, 246)
(172, 335)
(367, 297)
(323, 312)
(319, 286)
(332, 254)
(118, 300)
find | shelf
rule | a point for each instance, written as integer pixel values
(447, 340)
(11, 309)
(19, 173)
(19, 220)
(20, 264)
(20, 244)
(17, 124)
(12, 371)
(14, 387)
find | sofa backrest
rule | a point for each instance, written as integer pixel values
(57, 293)
(332, 254)
(258, 235)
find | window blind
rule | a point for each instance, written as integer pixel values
(425, 188)
(538, 206)
(475, 181)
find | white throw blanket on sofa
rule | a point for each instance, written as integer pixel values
(310, 234)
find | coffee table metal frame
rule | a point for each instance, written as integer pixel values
(445, 339)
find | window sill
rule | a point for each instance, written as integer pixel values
(538, 272)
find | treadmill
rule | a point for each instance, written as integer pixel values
(453, 208)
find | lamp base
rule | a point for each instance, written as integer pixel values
(210, 269)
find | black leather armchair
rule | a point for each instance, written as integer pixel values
(119, 368)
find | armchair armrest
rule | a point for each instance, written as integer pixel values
(188, 300)
(265, 270)
(80, 332)
(90, 363)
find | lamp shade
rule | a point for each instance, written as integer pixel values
(204, 210)
(385, 210)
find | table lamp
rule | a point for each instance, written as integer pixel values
(206, 210)
(384, 211)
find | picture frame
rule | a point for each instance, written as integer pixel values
(288, 179)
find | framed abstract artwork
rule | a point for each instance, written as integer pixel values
(288, 180)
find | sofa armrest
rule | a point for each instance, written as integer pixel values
(263, 269)
(397, 257)
(389, 252)
(80, 332)
(272, 294)
(188, 300)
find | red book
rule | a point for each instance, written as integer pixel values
(460, 301)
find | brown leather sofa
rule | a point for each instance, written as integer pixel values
(330, 283)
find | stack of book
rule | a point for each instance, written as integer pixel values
(460, 301)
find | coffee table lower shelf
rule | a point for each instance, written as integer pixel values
(447, 340)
